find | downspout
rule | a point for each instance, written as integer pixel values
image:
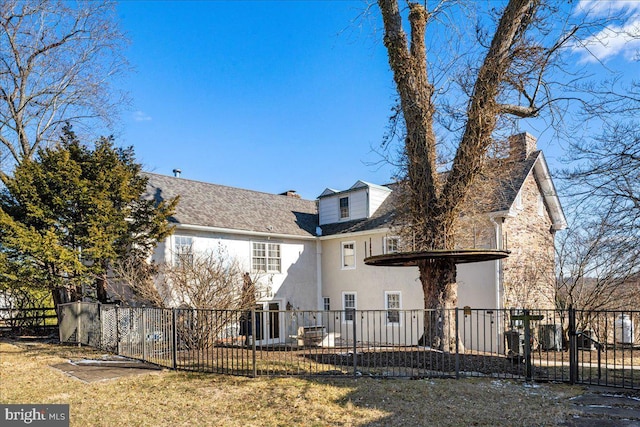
(498, 277)
(319, 274)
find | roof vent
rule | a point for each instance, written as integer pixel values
(177, 172)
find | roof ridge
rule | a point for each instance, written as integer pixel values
(226, 186)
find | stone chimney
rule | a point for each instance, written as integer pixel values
(522, 145)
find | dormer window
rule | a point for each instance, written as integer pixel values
(344, 207)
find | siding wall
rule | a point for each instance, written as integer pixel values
(295, 284)
(376, 197)
(329, 207)
(476, 281)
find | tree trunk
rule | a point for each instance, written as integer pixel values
(438, 278)
(101, 284)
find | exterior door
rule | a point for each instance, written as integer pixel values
(268, 322)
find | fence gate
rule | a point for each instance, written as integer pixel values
(605, 348)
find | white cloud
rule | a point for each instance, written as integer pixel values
(141, 116)
(601, 8)
(619, 38)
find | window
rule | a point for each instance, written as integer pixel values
(182, 250)
(392, 305)
(349, 305)
(265, 258)
(348, 255)
(391, 245)
(344, 207)
(326, 303)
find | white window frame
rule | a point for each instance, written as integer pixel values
(387, 240)
(388, 309)
(326, 303)
(270, 253)
(182, 250)
(342, 255)
(348, 208)
(346, 318)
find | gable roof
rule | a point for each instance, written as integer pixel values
(534, 164)
(507, 191)
(357, 186)
(216, 206)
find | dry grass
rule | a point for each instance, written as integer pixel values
(175, 398)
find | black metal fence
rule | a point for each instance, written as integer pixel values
(544, 345)
(31, 321)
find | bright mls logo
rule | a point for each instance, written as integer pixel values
(35, 415)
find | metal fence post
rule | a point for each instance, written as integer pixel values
(174, 338)
(527, 346)
(573, 347)
(253, 343)
(457, 346)
(355, 347)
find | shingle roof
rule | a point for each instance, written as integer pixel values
(211, 205)
(510, 184)
(508, 188)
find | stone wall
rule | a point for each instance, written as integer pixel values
(528, 273)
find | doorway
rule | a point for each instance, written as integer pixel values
(268, 322)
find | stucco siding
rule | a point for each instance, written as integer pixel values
(370, 283)
(295, 284)
(477, 285)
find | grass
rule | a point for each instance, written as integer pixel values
(178, 398)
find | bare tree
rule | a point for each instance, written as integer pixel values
(211, 279)
(598, 266)
(57, 59)
(512, 70)
(133, 279)
(605, 180)
(211, 287)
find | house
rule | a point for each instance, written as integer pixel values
(311, 252)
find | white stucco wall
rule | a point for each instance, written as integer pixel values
(369, 283)
(477, 285)
(296, 284)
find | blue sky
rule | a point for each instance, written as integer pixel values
(264, 95)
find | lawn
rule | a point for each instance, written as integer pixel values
(167, 398)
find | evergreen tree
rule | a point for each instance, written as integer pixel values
(71, 211)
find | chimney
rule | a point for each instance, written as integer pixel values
(177, 172)
(521, 145)
(290, 193)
